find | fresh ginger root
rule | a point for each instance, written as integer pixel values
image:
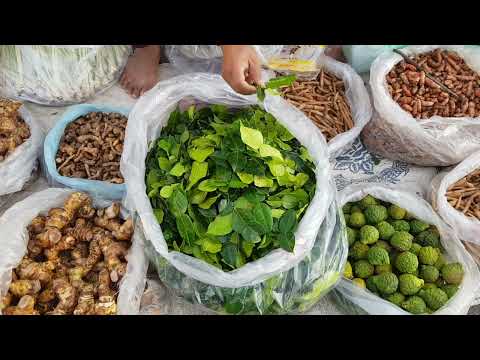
(76, 255)
(25, 306)
(21, 288)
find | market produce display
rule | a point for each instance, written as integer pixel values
(464, 195)
(323, 100)
(13, 129)
(228, 187)
(423, 98)
(59, 74)
(92, 146)
(398, 257)
(74, 262)
(425, 124)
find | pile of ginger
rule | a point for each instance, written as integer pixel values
(13, 130)
(74, 262)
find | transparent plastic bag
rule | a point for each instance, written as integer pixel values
(468, 228)
(356, 300)
(15, 238)
(395, 134)
(59, 74)
(201, 282)
(208, 58)
(361, 57)
(17, 169)
(102, 189)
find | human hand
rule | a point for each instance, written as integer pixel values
(241, 68)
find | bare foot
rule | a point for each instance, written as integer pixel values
(140, 73)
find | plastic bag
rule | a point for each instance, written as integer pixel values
(209, 58)
(98, 188)
(468, 228)
(17, 169)
(356, 300)
(395, 134)
(276, 282)
(15, 238)
(361, 57)
(358, 101)
(60, 74)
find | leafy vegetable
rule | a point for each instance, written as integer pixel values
(227, 186)
(274, 84)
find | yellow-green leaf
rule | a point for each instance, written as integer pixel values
(208, 202)
(200, 154)
(177, 170)
(262, 181)
(245, 177)
(222, 225)
(270, 151)
(277, 213)
(211, 245)
(251, 137)
(276, 167)
(198, 172)
(167, 190)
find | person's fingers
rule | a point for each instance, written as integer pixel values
(254, 73)
(123, 80)
(136, 92)
(239, 82)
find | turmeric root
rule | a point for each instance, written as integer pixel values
(77, 273)
(113, 252)
(60, 217)
(106, 304)
(21, 288)
(25, 306)
(82, 231)
(86, 301)
(66, 295)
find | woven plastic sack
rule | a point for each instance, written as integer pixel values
(361, 57)
(59, 74)
(397, 135)
(356, 300)
(209, 58)
(16, 170)
(468, 228)
(15, 238)
(98, 188)
(278, 282)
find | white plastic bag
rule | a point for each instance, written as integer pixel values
(18, 167)
(397, 135)
(208, 58)
(357, 300)
(468, 228)
(356, 165)
(194, 278)
(13, 246)
(59, 74)
(358, 101)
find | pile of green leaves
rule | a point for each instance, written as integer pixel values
(228, 186)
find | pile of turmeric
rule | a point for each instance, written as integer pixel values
(13, 130)
(75, 260)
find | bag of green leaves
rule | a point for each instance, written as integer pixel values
(403, 259)
(236, 200)
(59, 74)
